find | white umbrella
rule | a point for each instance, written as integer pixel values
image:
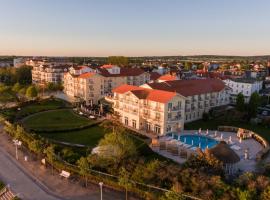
(206, 131)
(200, 130)
(240, 140)
(179, 137)
(221, 136)
(192, 142)
(185, 140)
(215, 133)
(230, 139)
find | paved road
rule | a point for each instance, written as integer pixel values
(20, 182)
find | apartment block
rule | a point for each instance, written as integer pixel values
(246, 86)
(149, 110)
(48, 73)
(91, 84)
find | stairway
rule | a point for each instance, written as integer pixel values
(6, 194)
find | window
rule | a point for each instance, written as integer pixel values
(169, 128)
(126, 121)
(134, 123)
(157, 115)
(179, 104)
(148, 126)
(169, 115)
(157, 129)
(169, 106)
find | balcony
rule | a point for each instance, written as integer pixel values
(200, 107)
(174, 108)
(176, 118)
(187, 101)
(187, 110)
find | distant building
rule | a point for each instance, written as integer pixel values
(18, 62)
(48, 73)
(246, 86)
(6, 63)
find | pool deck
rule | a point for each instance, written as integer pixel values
(244, 165)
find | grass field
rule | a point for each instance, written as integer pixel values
(35, 107)
(56, 120)
(89, 137)
(50, 104)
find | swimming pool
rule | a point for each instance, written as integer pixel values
(196, 140)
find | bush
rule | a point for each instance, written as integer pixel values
(205, 117)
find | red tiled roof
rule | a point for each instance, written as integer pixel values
(143, 93)
(125, 88)
(154, 76)
(107, 66)
(123, 72)
(190, 87)
(167, 77)
(86, 75)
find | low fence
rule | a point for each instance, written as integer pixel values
(266, 148)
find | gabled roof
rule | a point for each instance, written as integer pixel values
(148, 94)
(167, 77)
(107, 66)
(190, 87)
(86, 75)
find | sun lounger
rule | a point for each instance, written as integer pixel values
(235, 147)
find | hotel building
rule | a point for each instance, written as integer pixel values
(150, 110)
(93, 84)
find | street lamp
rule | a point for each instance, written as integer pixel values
(101, 184)
(17, 143)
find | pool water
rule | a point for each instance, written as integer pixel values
(196, 140)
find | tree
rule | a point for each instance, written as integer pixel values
(16, 88)
(124, 181)
(35, 146)
(23, 75)
(84, 168)
(187, 65)
(118, 60)
(265, 194)
(240, 102)
(31, 92)
(170, 195)
(253, 104)
(115, 148)
(50, 154)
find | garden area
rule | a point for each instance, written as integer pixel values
(56, 120)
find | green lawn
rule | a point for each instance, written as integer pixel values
(89, 137)
(56, 120)
(7, 97)
(35, 107)
(214, 123)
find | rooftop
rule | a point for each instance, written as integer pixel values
(190, 87)
(143, 93)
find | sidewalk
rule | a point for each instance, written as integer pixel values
(53, 183)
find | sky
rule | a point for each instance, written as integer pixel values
(134, 27)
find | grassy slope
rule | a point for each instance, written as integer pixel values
(56, 120)
(89, 136)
